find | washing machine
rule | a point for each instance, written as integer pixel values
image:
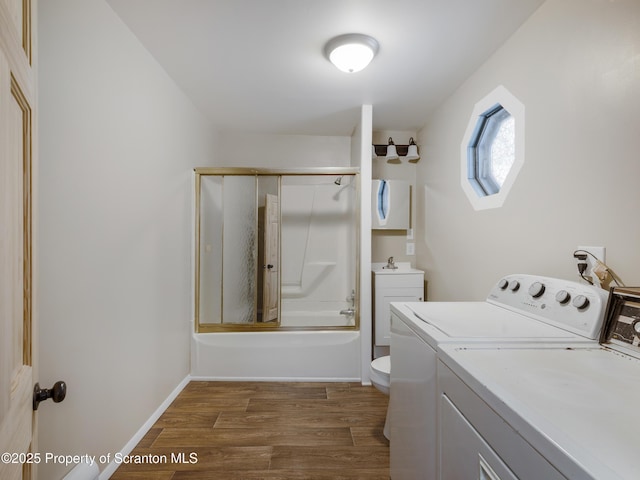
(519, 309)
(553, 411)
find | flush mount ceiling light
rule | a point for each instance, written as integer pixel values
(351, 52)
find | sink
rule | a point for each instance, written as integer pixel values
(403, 267)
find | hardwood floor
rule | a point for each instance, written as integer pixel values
(275, 431)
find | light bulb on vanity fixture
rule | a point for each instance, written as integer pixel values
(351, 52)
(412, 152)
(392, 153)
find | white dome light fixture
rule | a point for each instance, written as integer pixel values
(351, 52)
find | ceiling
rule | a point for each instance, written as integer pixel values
(258, 66)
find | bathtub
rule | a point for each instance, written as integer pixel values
(277, 356)
(329, 318)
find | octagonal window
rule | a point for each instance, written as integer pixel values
(493, 149)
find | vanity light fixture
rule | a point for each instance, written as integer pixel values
(395, 153)
(351, 52)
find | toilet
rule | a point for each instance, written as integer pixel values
(380, 374)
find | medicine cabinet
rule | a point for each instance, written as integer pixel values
(390, 204)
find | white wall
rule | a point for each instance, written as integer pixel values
(118, 142)
(393, 243)
(282, 151)
(576, 68)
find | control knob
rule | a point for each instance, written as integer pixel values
(563, 297)
(503, 284)
(514, 285)
(581, 302)
(536, 289)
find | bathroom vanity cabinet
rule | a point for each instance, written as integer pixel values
(404, 284)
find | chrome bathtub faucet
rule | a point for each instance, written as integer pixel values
(351, 311)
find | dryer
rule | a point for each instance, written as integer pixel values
(519, 309)
(551, 411)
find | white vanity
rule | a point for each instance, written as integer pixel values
(400, 284)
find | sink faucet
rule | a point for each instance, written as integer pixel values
(390, 264)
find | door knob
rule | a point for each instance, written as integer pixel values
(57, 393)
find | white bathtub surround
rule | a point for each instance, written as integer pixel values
(319, 253)
(277, 356)
(316, 313)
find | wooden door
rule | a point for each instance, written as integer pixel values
(271, 275)
(17, 117)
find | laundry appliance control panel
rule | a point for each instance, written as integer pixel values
(572, 306)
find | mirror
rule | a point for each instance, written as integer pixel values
(276, 250)
(390, 204)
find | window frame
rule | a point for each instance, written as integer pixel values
(479, 186)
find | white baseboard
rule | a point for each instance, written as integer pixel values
(200, 378)
(126, 450)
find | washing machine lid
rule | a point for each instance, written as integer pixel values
(576, 405)
(446, 322)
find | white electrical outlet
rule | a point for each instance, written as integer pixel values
(411, 248)
(598, 252)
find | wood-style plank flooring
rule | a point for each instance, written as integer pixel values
(256, 430)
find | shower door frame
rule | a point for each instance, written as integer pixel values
(200, 172)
